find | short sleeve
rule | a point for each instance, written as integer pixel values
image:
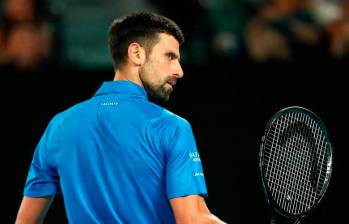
(42, 179)
(184, 173)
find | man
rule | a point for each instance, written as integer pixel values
(118, 158)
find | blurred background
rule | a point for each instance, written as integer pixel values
(243, 61)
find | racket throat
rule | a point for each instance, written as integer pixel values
(279, 219)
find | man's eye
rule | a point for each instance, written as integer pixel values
(171, 56)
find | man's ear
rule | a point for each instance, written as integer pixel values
(136, 54)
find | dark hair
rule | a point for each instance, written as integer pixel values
(142, 28)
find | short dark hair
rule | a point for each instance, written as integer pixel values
(143, 28)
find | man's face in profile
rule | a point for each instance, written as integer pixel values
(161, 69)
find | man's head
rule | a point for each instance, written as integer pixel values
(149, 44)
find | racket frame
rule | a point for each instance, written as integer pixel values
(274, 206)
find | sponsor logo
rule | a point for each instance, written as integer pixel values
(110, 103)
(194, 156)
(198, 174)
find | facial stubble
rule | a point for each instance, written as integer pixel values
(157, 91)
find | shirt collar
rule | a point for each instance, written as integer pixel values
(122, 87)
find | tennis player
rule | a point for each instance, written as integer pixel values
(117, 157)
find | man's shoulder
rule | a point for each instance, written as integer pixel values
(171, 122)
(74, 110)
(175, 120)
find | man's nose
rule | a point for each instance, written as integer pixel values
(178, 72)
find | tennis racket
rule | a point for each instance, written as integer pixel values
(295, 162)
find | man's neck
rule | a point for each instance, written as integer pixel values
(128, 75)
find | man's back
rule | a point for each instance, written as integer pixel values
(110, 155)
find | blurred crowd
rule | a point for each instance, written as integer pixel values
(26, 35)
(270, 30)
(252, 30)
(299, 30)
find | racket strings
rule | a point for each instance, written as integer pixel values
(296, 142)
(290, 181)
(295, 163)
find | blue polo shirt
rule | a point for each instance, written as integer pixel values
(117, 158)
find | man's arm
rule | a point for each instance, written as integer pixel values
(33, 210)
(192, 210)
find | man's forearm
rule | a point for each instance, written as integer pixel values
(33, 210)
